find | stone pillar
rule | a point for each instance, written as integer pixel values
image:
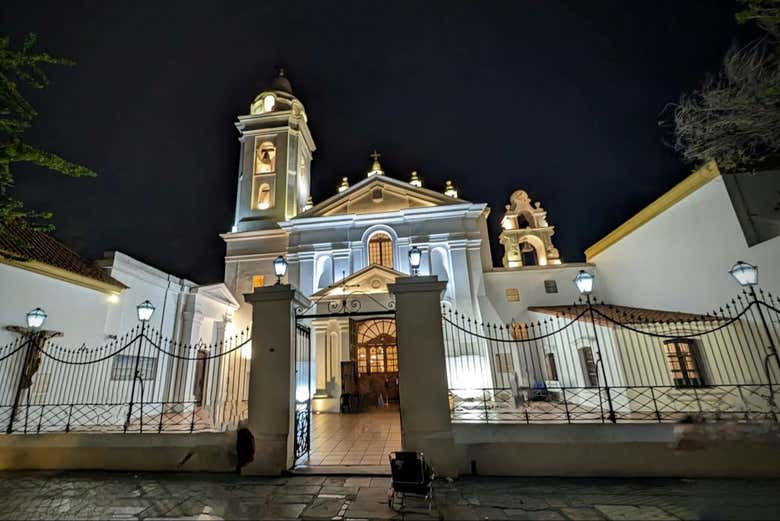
(271, 378)
(422, 372)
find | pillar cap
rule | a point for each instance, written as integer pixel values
(429, 283)
(275, 293)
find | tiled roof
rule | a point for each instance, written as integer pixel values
(22, 244)
(622, 314)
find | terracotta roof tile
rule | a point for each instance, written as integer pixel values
(24, 244)
(622, 314)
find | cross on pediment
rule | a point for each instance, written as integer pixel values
(376, 155)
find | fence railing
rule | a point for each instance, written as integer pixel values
(139, 382)
(593, 362)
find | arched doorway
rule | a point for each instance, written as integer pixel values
(366, 426)
(376, 360)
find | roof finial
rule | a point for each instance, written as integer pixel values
(450, 190)
(280, 82)
(376, 168)
(344, 184)
(415, 181)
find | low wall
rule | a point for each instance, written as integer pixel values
(197, 452)
(660, 450)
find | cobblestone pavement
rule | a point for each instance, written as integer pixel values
(129, 496)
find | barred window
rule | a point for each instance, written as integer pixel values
(552, 366)
(682, 358)
(588, 367)
(550, 286)
(504, 363)
(124, 367)
(380, 250)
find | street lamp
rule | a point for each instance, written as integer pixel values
(745, 274)
(584, 282)
(144, 311)
(280, 268)
(415, 255)
(35, 318)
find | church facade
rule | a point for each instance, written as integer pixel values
(355, 242)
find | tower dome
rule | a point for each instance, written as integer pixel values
(278, 97)
(281, 83)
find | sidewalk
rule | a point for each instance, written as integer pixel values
(129, 496)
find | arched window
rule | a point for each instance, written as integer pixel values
(324, 272)
(264, 197)
(265, 158)
(376, 347)
(439, 268)
(380, 250)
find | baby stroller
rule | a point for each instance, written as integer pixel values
(411, 476)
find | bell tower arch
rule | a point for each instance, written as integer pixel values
(276, 153)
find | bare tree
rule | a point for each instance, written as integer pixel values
(734, 117)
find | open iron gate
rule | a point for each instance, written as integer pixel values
(302, 391)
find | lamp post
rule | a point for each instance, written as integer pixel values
(144, 312)
(415, 255)
(746, 276)
(584, 283)
(35, 337)
(280, 268)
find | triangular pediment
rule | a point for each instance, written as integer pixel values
(370, 280)
(218, 292)
(379, 194)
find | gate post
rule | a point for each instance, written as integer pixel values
(422, 372)
(271, 404)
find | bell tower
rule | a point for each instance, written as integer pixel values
(276, 154)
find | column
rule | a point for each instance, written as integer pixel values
(422, 372)
(272, 381)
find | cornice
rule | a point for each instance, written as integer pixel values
(252, 235)
(680, 191)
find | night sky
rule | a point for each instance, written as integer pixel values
(561, 99)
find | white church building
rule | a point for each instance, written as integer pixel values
(343, 251)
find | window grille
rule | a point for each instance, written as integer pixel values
(552, 366)
(682, 359)
(504, 363)
(588, 366)
(380, 250)
(550, 286)
(124, 367)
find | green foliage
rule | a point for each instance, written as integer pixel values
(24, 68)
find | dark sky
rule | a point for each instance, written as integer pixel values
(558, 98)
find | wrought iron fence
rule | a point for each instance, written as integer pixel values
(593, 362)
(139, 382)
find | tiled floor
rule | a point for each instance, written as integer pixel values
(355, 439)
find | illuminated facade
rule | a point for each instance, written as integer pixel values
(357, 241)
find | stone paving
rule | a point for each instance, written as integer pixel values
(150, 496)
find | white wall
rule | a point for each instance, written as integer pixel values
(80, 313)
(680, 259)
(529, 281)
